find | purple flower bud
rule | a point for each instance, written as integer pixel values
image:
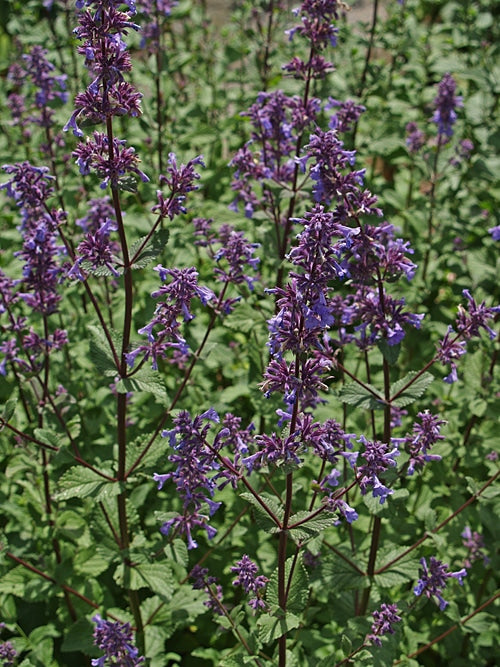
(247, 577)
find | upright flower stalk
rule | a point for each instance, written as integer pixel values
(101, 31)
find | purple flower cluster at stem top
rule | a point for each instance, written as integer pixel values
(383, 621)
(247, 577)
(31, 187)
(475, 544)
(433, 579)
(424, 435)
(445, 105)
(116, 640)
(179, 287)
(101, 28)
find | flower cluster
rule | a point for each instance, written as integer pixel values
(202, 581)
(445, 105)
(180, 180)
(111, 160)
(433, 579)
(31, 187)
(346, 116)
(107, 58)
(153, 13)
(379, 458)
(247, 577)
(317, 28)
(163, 331)
(424, 435)
(194, 476)
(384, 619)
(470, 320)
(116, 640)
(475, 544)
(277, 122)
(8, 654)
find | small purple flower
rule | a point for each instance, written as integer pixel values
(433, 579)
(384, 619)
(8, 654)
(424, 435)
(346, 116)
(180, 180)
(246, 571)
(116, 640)
(379, 458)
(110, 165)
(203, 581)
(495, 232)
(475, 317)
(445, 104)
(474, 542)
(449, 349)
(415, 138)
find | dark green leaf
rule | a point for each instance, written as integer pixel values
(312, 527)
(354, 394)
(261, 516)
(79, 482)
(272, 628)
(413, 392)
(151, 250)
(100, 351)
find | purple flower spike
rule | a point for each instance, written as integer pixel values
(247, 577)
(433, 580)
(445, 104)
(384, 619)
(115, 639)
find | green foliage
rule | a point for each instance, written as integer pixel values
(81, 430)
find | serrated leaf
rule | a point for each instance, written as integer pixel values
(8, 410)
(354, 394)
(151, 250)
(261, 516)
(79, 482)
(311, 528)
(272, 628)
(413, 392)
(177, 551)
(100, 352)
(48, 437)
(156, 577)
(144, 381)
(298, 590)
(102, 271)
(389, 352)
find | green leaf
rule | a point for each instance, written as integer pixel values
(272, 628)
(79, 482)
(100, 271)
(298, 594)
(354, 394)
(151, 250)
(100, 351)
(8, 410)
(48, 437)
(389, 352)
(311, 528)
(413, 392)
(79, 637)
(144, 380)
(157, 577)
(261, 516)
